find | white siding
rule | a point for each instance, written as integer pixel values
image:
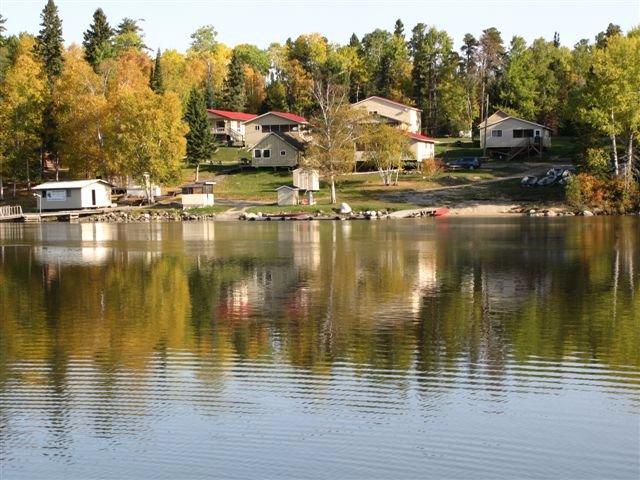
(506, 138)
(408, 118)
(275, 145)
(77, 198)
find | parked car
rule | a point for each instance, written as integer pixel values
(464, 163)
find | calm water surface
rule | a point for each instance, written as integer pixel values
(392, 349)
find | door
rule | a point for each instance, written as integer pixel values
(93, 198)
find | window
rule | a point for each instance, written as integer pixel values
(283, 153)
(537, 133)
(257, 127)
(266, 128)
(496, 133)
(220, 124)
(257, 153)
(523, 133)
(266, 153)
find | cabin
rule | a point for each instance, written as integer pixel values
(508, 136)
(277, 150)
(288, 195)
(197, 194)
(228, 127)
(274, 122)
(74, 194)
(421, 146)
(388, 111)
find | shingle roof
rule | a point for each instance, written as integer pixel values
(293, 140)
(232, 115)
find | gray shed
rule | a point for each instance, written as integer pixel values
(287, 195)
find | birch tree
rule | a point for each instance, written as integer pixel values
(335, 133)
(387, 147)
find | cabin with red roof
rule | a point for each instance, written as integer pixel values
(228, 127)
(275, 122)
(405, 117)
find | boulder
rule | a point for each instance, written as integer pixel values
(587, 213)
(345, 208)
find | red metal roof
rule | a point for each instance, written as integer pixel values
(291, 116)
(232, 115)
(420, 137)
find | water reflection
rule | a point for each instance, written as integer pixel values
(105, 325)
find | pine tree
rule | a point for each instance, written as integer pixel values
(2, 29)
(156, 80)
(209, 92)
(399, 29)
(98, 40)
(233, 94)
(128, 35)
(200, 143)
(49, 46)
(276, 97)
(354, 41)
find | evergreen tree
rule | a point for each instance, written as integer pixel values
(233, 94)
(556, 39)
(276, 97)
(128, 35)
(200, 143)
(49, 46)
(2, 30)
(98, 40)
(354, 41)
(209, 92)
(156, 80)
(398, 30)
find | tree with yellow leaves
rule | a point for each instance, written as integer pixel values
(22, 94)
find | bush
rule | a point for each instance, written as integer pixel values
(597, 161)
(587, 190)
(431, 168)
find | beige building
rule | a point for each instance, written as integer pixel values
(74, 194)
(229, 126)
(405, 117)
(395, 113)
(505, 132)
(274, 122)
(277, 150)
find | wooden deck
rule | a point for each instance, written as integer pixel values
(14, 213)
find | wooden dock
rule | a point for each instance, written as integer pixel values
(14, 213)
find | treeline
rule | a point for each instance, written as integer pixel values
(114, 107)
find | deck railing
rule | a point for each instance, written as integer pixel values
(10, 211)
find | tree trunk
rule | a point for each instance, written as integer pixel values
(197, 171)
(628, 174)
(1, 188)
(334, 199)
(614, 147)
(57, 170)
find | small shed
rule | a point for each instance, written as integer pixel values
(287, 195)
(306, 179)
(197, 194)
(74, 194)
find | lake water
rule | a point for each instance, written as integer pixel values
(440, 348)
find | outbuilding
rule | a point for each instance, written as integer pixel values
(198, 194)
(288, 195)
(74, 194)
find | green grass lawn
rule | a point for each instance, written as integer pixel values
(562, 148)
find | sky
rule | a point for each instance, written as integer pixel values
(169, 23)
